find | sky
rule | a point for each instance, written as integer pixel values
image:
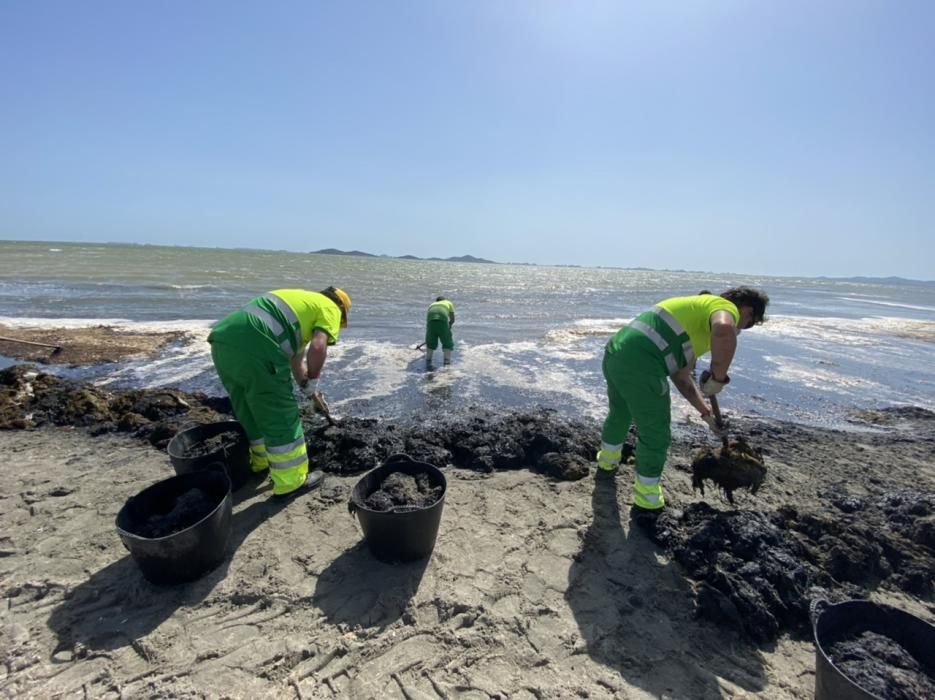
(787, 138)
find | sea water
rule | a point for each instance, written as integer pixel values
(525, 335)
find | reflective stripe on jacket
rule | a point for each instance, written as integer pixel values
(292, 315)
(679, 328)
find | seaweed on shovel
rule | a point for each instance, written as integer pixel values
(734, 466)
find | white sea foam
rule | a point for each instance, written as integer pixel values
(800, 366)
(851, 331)
(122, 324)
(893, 304)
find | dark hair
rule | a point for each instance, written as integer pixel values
(440, 299)
(704, 291)
(748, 296)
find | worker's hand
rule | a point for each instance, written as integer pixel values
(310, 388)
(719, 430)
(710, 386)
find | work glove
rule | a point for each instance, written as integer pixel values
(310, 388)
(710, 386)
(719, 430)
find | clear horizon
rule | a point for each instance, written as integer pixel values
(787, 139)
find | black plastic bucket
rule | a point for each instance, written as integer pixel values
(402, 534)
(235, 459)
(191, 552)
(832, 623)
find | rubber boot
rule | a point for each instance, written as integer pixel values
(428, 358)
(312, 481)
(447, 355)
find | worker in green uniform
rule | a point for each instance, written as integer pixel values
(439, 319)
(661, 344)
(258, 351)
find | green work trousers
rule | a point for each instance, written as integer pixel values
(438, 329)
(258, 379)
(638, 392)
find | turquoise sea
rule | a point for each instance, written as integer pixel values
(526, 335)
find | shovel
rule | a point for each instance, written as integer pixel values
(321, 406)
(720, 422)
(56, 349)
(716, 410)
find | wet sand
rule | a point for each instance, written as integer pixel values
(539, 587)
(80, 346)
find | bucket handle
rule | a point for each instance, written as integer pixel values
(816, 608)
(352, 509)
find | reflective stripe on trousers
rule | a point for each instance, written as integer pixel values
(608, 457)
(288, 465)
(647, 492)
(259, 460)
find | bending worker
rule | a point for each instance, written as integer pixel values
(438, 322)
(257, 352)
(661, 344)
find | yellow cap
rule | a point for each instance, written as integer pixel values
(345, 304)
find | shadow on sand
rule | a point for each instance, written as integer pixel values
(636, 613)
(358, 589)
(117, 606)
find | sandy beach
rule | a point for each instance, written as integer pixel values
(538, 587)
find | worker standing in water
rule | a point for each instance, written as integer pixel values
(439, 319)
(258, 351)
(661, 344)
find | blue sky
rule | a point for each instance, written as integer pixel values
(765, 137)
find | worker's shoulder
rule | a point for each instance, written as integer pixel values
(698, 306)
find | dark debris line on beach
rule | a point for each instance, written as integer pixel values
(757, 570)
(482, 440)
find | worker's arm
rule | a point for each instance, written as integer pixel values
(297, 363)
(451, 318)
(686, 385)
(307, 366)
(317, 352)
(723, 344)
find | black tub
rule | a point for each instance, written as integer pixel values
(403, 534)
(190, 552)
(831, 623)
(235, 459)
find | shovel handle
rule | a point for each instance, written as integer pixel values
(716, 410)
(322, 407)
(30, 342)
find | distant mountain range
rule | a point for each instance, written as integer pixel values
(471, 259)
(361, 254)
(881, 280)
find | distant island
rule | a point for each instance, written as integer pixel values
(361, 254)
(881, 280)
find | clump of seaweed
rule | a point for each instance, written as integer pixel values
(737, 466)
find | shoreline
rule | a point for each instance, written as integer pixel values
(81, 347)
(536, 588)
